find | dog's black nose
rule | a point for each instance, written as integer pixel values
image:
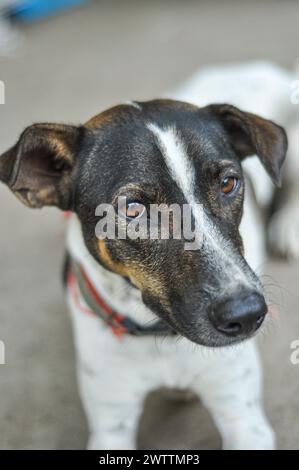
(240, 315)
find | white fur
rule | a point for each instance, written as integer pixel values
(134, 104)
(115, 374)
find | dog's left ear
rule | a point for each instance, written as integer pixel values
(40, 167)
(253, 135)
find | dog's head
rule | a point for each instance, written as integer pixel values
(160, 152)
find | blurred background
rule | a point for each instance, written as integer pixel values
(66, 61)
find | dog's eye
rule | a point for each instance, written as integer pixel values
(133, 210)
(229, 185)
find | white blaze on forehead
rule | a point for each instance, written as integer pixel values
(182, 171)
(177, 161)
(134, 104)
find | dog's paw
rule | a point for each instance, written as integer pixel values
(284, 231)
(107, 440)
(258, 437)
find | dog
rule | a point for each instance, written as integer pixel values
(149, 313)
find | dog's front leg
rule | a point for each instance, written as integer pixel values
(112, 382)
(113, 401)
(231, 391)
(113, 424)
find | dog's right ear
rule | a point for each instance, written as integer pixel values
(40, 167)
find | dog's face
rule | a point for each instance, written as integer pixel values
(160, 152)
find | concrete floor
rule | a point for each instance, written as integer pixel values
(67, 69)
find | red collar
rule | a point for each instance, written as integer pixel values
(110, 317)
(82, 288)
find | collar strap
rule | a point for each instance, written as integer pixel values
(79, 281)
